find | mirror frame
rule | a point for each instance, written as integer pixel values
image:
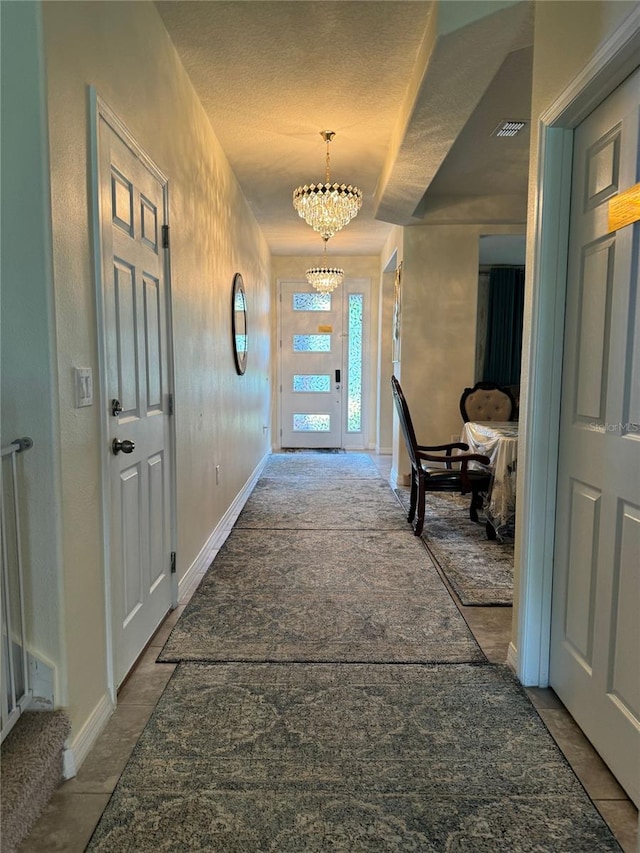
(239, 323)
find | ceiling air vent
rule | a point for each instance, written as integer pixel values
(509, 127)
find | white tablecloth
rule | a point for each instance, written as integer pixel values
(498, 441)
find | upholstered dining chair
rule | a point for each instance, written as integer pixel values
(487, 401)
(445, 478)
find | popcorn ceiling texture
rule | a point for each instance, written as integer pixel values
(396, 82)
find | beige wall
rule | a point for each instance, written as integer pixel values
(391, 256)
(123, 50)
(28, 358)
(384, 415)
(290, 268)
(439, 308)
(566, 36)
(439, 296)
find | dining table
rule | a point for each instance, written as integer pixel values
(499, 441)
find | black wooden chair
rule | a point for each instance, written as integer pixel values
(438, 479)
(487, 401)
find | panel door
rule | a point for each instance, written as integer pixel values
(136, 335)
(311, 345)
(595, 646)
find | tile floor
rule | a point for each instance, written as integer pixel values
(75, 809)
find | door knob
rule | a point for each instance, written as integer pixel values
(116, 408)
(124, 446)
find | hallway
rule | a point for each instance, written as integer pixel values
(76, 808)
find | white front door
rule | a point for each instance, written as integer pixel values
(322, 357)
(595, 642)
(132, 215)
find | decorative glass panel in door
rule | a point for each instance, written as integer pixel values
(311, 367)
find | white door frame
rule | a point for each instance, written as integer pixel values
(99, 110)
(536, 502)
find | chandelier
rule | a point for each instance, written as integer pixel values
(324, 278)
(327, 207)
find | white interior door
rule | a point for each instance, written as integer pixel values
(132, 206)
(311, 345)
(595, 643)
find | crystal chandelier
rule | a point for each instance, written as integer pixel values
(327, 207)
(324, 278)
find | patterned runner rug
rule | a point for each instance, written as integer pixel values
(242, 758)
(318, 595)
(320, 466)
(321, 568)
(479, 570)
(331, 503)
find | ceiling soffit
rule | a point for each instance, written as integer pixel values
(459, 67)
(397, 82)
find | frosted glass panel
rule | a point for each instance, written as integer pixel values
(312, 343)
(354, 389)
(312, 302)
(311, 423)
(306, 382)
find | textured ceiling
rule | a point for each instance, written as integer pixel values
(272, 75)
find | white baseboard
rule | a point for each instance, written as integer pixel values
(384, 451)
(512, 657)
(396, 479)
(42, 681)
(220, 532)
(76, 751)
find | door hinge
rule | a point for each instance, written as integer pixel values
(170, 404)
(281, 389)
(173, 562)
(165, 236)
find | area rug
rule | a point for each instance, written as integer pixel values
(308, 595)
(349, 758)
(321, 503)
(479, 570)
(320, 466)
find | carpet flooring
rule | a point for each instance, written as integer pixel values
(284, 758)
(479, 570)
(31, 763)
(305, 595)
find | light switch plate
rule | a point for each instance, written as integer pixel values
(84, 386)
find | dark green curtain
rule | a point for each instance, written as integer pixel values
(504, 326)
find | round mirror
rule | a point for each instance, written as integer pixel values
(239, 323)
